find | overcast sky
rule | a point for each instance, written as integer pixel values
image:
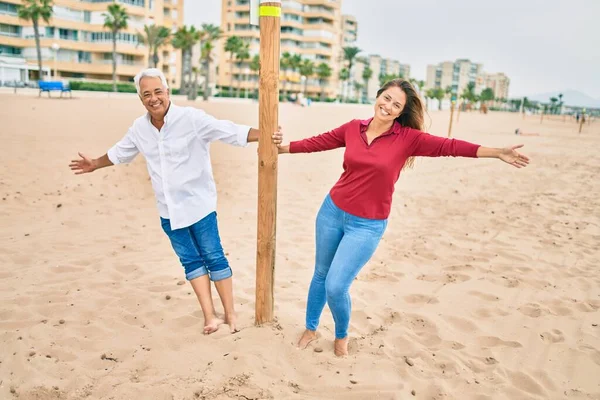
(542, 45)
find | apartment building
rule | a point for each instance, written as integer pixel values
(349, 30)
(455, 74)
(460, 73)
(379, 66)
(310, 28)
(498, 82)
(74, 44)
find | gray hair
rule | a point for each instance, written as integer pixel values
(154, 72)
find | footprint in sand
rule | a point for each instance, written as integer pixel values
(555, 336)
(532, 310)
(420, 299)
(484, 296)
(526, 383)
(492, 341)
(446, 278)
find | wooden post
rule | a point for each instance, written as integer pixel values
(542, 118)
(581, 121)
(451, 116)
(268, 103)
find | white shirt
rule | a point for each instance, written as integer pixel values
(178, 160)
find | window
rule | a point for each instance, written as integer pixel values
(10, 51)
(10, 30)
(7, 8)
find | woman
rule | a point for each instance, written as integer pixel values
(353, 216)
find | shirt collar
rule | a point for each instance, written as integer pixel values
(364, 123)
(170, 112)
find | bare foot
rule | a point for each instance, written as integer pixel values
(307, 337)
(231, 320)
(212, 325)
(340, 347)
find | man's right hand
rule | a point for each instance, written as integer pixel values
(83, 165)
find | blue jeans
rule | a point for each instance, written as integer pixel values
(345, 243)
(199, 248)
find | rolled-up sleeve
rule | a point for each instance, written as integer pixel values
(124, 151)
(212, 129)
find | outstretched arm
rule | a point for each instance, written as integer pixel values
(123, 152)
(424, 144)
(86, 165)
(330, 140)
(509, 155)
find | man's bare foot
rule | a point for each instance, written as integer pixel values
(340, 347)
(231, 320)
(212, 325)
(307, 337)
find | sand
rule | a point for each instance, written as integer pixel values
(485, 286)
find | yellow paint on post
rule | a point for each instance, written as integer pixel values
(269, 11)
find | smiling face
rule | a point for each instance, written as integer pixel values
(154, 96)
(389, 104)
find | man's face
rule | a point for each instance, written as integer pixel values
(154, 96)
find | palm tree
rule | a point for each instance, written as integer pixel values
(307, 69)
(323, 72)
(469, 93)
(284, 64)
(560, 102)
(209, 34)
(115, 20)
(487, 94)
(185, 38)
(241, 56)
(295, 62)
(344, 75)
(357, 89)
(232, 46)
(350, 54)
(255, 67)
(154, 37)
(366, 75)
(33, 10)
(438, 94)
(553, 101)
(384, 78)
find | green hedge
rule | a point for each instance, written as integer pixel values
(102, 87)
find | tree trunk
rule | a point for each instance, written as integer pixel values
(182, 83)
(440, 104)
(149, 56)
(206, 77)
(155, 57)
(188, 62)
(230, 74)
(322, 91)
(36, 32)
(114, 61)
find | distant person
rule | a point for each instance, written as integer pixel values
(175, 143)
(519, 132)
(354, 215)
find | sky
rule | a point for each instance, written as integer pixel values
(542, 45)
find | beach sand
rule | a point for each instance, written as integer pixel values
(485, 286)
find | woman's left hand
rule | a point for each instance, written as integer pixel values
(511, 156)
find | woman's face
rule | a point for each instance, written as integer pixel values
(389, 104)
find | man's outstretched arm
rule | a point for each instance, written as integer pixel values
(86, 165)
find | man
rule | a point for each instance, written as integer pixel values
(175, 142)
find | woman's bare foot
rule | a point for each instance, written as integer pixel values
(231, 320)
(340, 347)
(212, 325)
(307, 337)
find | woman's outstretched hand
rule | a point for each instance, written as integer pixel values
(511, 156)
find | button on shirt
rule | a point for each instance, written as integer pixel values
(178, 160)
